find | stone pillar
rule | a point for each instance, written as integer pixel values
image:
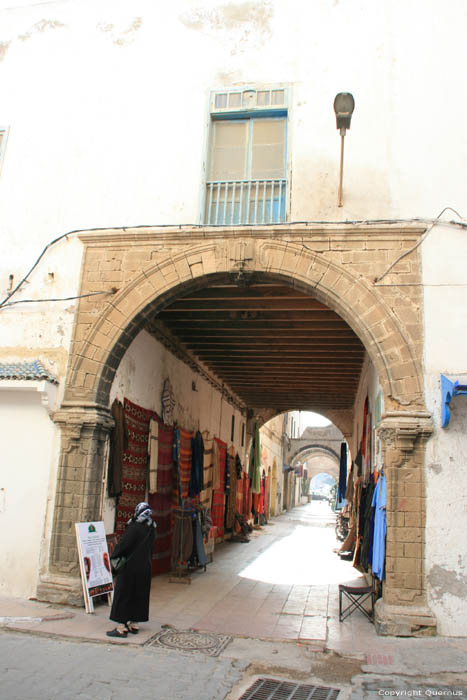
(78, 497)
(403, 609)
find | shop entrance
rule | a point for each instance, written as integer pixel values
(262, 360)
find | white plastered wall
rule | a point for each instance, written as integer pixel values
(29, 442)
(445, 302)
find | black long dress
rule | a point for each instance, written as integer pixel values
(133, 583)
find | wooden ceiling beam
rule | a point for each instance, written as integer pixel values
(259, 304)
(283, 346)
(245, 315)
(207, 323)
(253, 292)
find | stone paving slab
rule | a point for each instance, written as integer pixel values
(49, 669)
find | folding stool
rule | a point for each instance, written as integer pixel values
(356, 596)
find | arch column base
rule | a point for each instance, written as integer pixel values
(78, 497)
(404, 620)
(62, 590)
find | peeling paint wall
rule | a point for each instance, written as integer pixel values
(444, 262)
(110, 125)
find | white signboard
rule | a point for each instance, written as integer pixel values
(94, 561)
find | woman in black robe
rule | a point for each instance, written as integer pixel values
(133, 583)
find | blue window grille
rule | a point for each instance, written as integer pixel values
(245, 202)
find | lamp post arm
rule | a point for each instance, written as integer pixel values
(341, 170)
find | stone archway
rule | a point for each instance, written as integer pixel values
(337, 264)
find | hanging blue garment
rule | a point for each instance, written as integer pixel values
(342, 474)
(379, 532)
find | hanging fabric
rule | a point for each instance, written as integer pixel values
(216, 467)
(135, 464)
(218, 496)
(206, 494)
(255, 462)
(161, 502)
(231, 490)
(118, 444)
(379, 534)
(153, 451)
(197, 465)
(342, 474)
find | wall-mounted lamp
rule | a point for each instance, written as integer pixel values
(344, 105)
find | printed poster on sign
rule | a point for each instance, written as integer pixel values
(94, 558)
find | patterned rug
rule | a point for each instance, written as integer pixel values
(185, 461)
(207, 643)
(135, 461)
(161, 502)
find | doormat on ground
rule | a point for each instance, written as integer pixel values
(207, 643)
(271, 689)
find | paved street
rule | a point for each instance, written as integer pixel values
(276, 596)
(37, 668)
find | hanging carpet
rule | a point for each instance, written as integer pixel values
(135, 464)
(161, 502)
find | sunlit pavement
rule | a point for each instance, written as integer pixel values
(282, 585)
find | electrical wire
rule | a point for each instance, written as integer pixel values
(38, 301)
(411, 250)
(353, 222)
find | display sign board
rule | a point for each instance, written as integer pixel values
(94, 562)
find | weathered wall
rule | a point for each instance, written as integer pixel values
(106, 144)
(444, 263)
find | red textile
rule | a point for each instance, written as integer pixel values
(239, 496)
(218, 495)
(185, 461)
(161, 502)
(135, 464)
(266, 496)
(246, 495)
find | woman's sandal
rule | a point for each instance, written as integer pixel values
(117, 633)
(133, 630)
